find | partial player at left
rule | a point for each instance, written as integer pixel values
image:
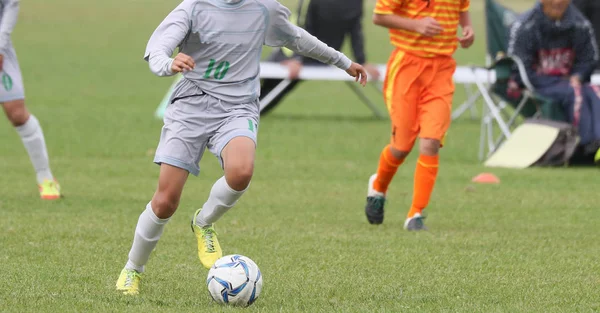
(12, 97)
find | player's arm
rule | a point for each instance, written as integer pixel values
(384, 16)
(311, 23)
(166, 38)
(9, 20)
(427, 26)
(468, 34)
(282, 33)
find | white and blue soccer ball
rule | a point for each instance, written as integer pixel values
(235, 280)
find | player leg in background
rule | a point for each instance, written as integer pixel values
(30, 131)
(151, 224)
(267, 85)
(434, 113)
(12, 95)
(592, 116)
(401, 92)
(238, 164)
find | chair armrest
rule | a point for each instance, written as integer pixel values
(509, 61)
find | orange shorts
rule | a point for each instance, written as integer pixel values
(418, 94)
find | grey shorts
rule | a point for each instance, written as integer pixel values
(195, 121)
(11, 79)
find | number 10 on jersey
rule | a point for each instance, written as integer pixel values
(219, 71)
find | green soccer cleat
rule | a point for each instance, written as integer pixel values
(374, 208)
(49, 190)
(209, 249)
(129, 282)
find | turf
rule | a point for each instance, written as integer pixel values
(529, 244)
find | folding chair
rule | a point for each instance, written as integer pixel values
(506, 102)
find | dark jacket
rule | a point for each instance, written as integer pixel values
(332, 20)
(591, 10)
(552, 51)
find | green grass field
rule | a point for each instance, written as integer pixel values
(529, 244)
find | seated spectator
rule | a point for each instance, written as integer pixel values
(330, 21)
(591, 10)
(557, 46)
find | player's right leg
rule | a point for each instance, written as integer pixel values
(151, 224)
(182, 142)
(30, 131)
(12, 96)
(401, 91)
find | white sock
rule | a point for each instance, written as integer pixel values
(147, 233)
(221, 199)
(33, 139)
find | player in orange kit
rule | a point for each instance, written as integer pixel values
(418, 92)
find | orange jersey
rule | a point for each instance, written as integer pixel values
(446, 12)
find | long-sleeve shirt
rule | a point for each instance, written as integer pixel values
(9, 11)
(554, 50)
(225, 38)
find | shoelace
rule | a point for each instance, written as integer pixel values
(419, 221)
(50, 185)
(47, 184)
(129, 278)
(208, 240)
(378, 203)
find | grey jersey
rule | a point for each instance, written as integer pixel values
(9, 10)
(225, 38)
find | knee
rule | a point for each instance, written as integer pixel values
(16, 113)
(238, 176)
(429, 146)
(398, 154)
(164, 204)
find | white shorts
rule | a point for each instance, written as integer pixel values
(10, 78)
(194, 121)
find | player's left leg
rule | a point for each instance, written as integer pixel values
(27, 126)
(238, 163)
(592, 95)
(434, 116)
(235, 146)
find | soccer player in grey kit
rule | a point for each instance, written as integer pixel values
(215, 106)
(12, 97)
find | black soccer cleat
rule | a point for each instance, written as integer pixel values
(374, 209)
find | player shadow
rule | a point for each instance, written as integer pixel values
(322, 117)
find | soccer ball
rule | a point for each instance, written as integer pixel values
(234, 280)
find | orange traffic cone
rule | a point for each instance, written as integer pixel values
(486, 178)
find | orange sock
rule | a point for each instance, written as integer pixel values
(388, 165)
(425, 176)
